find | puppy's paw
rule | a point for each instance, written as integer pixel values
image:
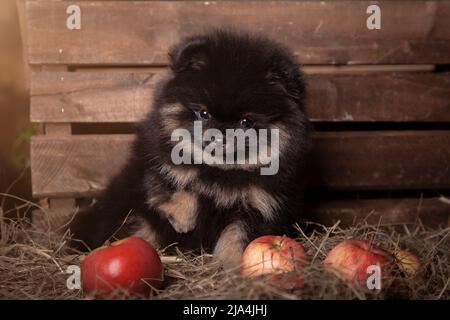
(181, 211)
(180, 225)
(230, 246)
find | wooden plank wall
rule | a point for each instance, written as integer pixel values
(107, 71)
(101, 96)
(325, 32)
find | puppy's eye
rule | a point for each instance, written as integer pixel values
(247, 122)
(203, 114)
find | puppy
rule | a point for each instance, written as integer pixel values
(222, 80)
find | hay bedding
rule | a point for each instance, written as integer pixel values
(32, 265)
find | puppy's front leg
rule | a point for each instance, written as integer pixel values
(230, 246)
(181, 210)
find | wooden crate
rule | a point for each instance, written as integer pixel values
(382, 147)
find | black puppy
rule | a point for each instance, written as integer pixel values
(222, 80)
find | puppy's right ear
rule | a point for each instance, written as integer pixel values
(191, 54)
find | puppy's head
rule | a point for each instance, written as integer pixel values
(226, 81)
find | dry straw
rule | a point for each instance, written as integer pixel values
(32, 265)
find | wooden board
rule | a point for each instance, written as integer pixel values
(20, 4)
(126, 97)
(421, 97)
(91, 96)
(432, 211)
(75, 166)
(319, 32)
(381, 160)
(81, 165)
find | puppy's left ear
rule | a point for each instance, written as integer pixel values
(189, 55)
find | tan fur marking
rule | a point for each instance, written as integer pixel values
(284, 136)
(254, 197)
(223, 198)
(181, 211)
(180, 176)
(169, 114)
(170, 125)
(230, 246)
(155, 200)
(263, 202)
(146, 232)
(171, 109)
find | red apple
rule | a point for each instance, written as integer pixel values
(130, 264)
(289, 280)
(272, 255)
(350, 259)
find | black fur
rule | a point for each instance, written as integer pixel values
(232, 74)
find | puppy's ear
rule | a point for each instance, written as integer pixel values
(287, 77)
(191, 54)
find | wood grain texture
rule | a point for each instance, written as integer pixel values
(431, 211)
(57, 129)
(81, 165)
(381, 160)
(20, 4)
(421, 97)
(91, 96)
(334, 32)
(78, 165)
(126, 97)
